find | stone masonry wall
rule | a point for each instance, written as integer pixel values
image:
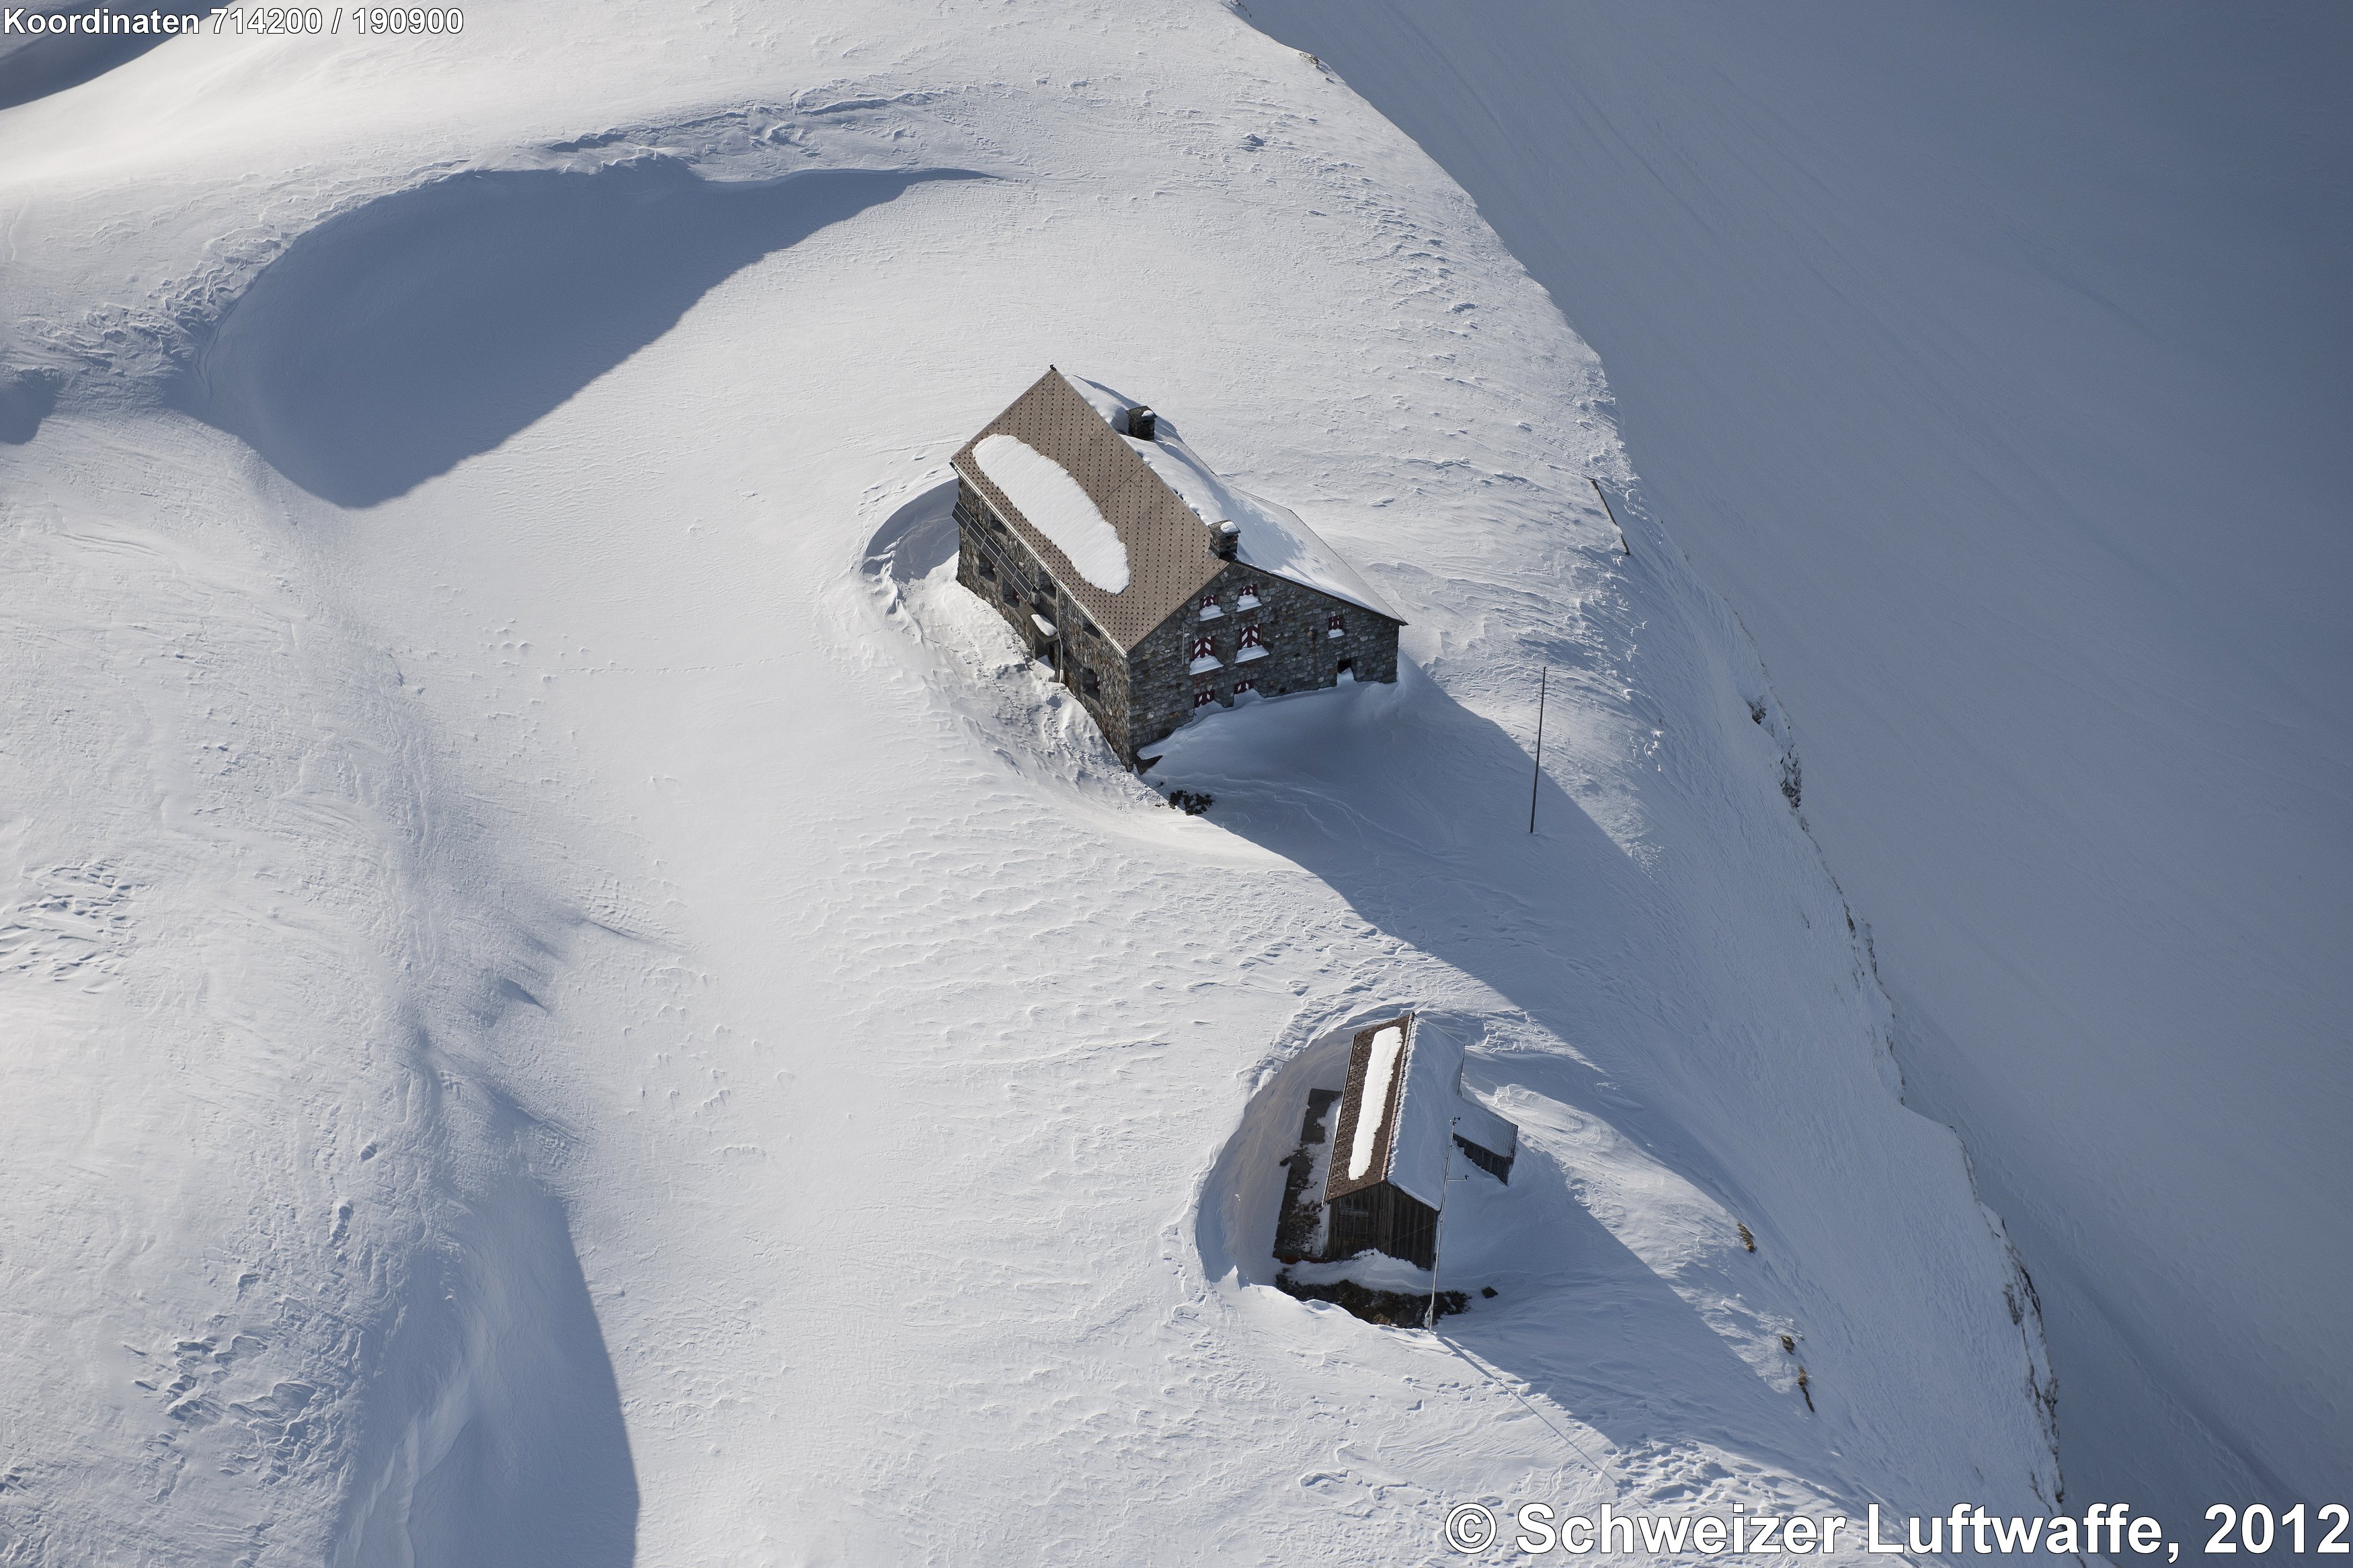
(992, 561)
(1294, 630)
(1145, 695)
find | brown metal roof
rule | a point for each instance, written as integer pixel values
(1352, 1100)
(1168, 555)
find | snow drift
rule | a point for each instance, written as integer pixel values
(598, 902)
(391, 343)
(1990, 359)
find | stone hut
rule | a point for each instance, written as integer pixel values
(1151, 587)
(1402, 1109)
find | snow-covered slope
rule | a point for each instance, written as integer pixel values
(1990, 358)
(571, 999)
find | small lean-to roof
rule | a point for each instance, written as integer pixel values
(1159, 496)
(1409, 1115)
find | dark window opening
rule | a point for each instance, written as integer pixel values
(987, 567)
(1012, 595)
(1345, 665)
(1090, 682)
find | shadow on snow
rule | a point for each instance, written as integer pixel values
(495, 1437)
(1415, 811)
(394, 342)
(37, 67)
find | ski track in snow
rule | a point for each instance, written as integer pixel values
(573, 1001)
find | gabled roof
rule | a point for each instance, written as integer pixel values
(1155, 496)
(1403, 1107)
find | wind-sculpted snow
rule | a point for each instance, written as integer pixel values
(1991, 360)
(25, 399)
(33, 66)
(256, 982)
(391, 343)
(591, 1004)
(493, 1436)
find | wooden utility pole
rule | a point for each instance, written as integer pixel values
(1438, 1231)
(1543, 682)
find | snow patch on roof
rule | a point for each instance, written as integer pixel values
(1482, 1126)
(1053, 503)
(1102, 400)
(1380, 1072)
(1274, 539)
(1432, 1110)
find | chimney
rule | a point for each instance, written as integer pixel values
(1225, 540)
(1143, 424)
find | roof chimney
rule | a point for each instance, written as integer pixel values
(1143, 424)
(1226, 539)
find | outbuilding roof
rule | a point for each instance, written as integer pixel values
(1156, 496)
(1402, 1108)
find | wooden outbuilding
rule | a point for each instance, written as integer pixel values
(1403, 1123)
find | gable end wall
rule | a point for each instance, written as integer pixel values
(1301, 655)
(992, 559)
(1145, 694)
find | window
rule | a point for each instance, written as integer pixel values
(1240, 687)
(1334, 626)
(1210, 610)
(1012, 593)
(1248, 598)
(1203, 697)
(987, 567)
(1252, 646)
(1251, 636)
(1204, 646)
(1090, 682)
